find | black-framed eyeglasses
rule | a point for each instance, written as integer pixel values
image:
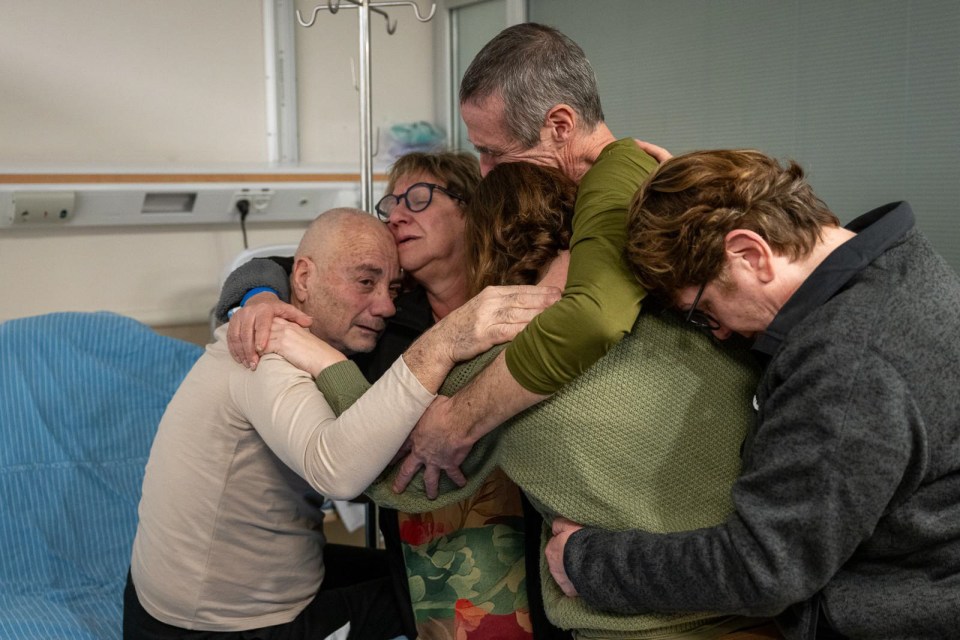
(701, 319)
(417, 198)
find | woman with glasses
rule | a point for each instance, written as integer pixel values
(482, 536)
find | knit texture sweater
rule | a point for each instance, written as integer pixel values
(649, 438)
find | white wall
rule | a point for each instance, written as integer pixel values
(170, 85)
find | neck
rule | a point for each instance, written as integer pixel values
(578, 156)
(445, 294)
(830, 239)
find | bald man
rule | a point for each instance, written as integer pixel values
(230, 541)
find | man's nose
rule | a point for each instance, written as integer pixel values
(383, 306)
(722, 333)
(487, 163)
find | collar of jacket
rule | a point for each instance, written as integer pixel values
(876, 231)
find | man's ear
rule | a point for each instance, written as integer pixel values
(561, 121)
(747, 250)
(304, 271)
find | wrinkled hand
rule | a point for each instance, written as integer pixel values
(493, 316)
(301, 348)
(437, 447)
(250, 326)
(562, 530)
(659, 154)
(401, 452)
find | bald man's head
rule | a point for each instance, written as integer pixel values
(345, 276)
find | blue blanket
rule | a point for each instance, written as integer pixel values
(81, 395)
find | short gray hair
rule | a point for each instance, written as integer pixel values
(533, 68)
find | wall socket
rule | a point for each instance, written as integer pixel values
(43, 206)
(259, 199)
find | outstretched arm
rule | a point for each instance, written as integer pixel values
(494, 316)
(599, 306)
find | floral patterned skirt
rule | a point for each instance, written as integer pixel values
(465, 566)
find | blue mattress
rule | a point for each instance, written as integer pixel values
(81, 395)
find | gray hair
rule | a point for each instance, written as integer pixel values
(533, 68)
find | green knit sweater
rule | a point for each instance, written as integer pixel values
(648, 438)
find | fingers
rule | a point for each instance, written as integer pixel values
(408, 469)
(658, 153)
(240, 338)
(291, 313)
(521, 296)
(233, 340)
(431, 481)
(262, 323)
(457, 476)
(561, 524)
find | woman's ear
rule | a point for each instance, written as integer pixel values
(748, 250)
(304, 271)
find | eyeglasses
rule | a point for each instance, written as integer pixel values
(700, 319)
(417, 198)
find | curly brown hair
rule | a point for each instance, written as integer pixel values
(519, 220)
(679, 218)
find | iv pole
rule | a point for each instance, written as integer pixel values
(364, 8)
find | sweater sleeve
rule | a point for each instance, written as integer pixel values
(601, 299)
(338, 456)
(259, 272)
(827, 460)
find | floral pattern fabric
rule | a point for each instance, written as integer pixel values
(465, 566)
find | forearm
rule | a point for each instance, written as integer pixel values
(490, 399)
(337, 456)
(601, 299)
(428, 359)
(362, 441)
(634, 572)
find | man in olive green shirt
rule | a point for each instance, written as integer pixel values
(530, 95)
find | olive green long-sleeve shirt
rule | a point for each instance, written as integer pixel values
(601, 300)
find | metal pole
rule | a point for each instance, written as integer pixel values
(366, 116)
(366, 186)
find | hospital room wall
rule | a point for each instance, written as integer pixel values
(113, 86)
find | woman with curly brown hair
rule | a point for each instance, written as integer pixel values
(520, 221)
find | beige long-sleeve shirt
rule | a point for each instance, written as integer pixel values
(230, 534)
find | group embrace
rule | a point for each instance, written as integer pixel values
(596, 391)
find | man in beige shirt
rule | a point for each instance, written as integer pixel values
(230, 541)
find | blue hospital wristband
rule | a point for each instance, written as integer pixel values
(255, 291)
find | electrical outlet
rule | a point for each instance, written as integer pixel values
(259, 199)
(43, 206)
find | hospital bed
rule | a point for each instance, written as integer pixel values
(81, 395)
